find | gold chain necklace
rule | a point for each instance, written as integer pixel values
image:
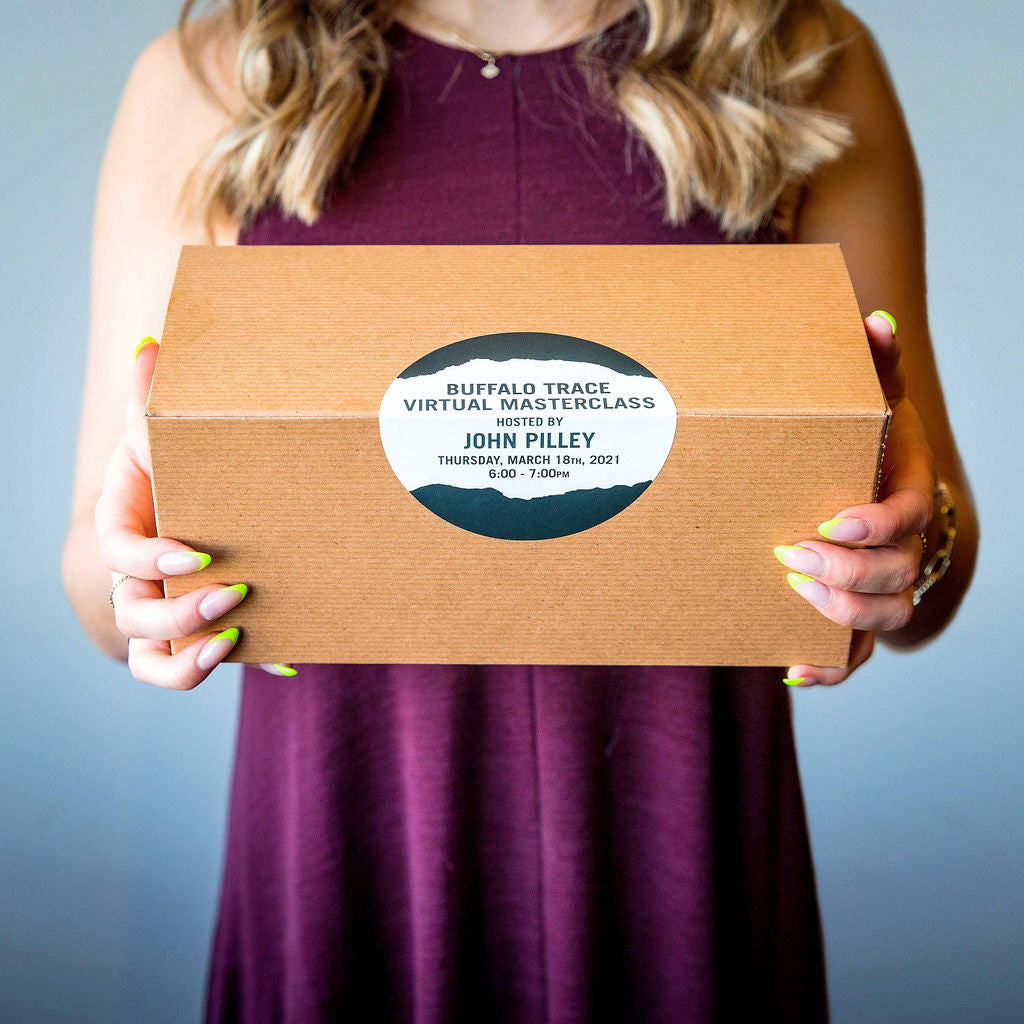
(489, 57)
(490, 68)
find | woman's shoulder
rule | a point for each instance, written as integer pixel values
(178, 97)
(848, 22)
(854, 83)
(832, 38)
(190, 70)
(859, 86)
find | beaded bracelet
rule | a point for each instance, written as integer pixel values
(939, 562)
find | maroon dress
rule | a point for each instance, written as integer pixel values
(443, 844)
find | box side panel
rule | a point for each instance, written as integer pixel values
(345, 566)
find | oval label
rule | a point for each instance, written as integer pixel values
(526, 436)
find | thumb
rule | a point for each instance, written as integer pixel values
(886, 351)
(142, 375)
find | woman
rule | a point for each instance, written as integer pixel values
(442, 843)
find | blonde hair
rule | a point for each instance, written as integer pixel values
(720, 91)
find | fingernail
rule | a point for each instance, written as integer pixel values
(844, 528)
(802, 559)
(217, 648)
(220, 601)
(142, 344)
(174, 563)
(888, 316)
(813, 591)
(793, 682)
(280, 670)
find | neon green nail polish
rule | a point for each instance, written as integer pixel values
(793, 682)
(204, 560)
(781, 549)
(286, 670)
(888, 316)
(228, 634)
(827, 527)
(142, 344)
(240, 587)
(796, 578)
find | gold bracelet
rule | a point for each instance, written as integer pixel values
(939, 562)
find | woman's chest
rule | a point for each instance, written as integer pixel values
(456, 158)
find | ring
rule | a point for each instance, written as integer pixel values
(117, 583)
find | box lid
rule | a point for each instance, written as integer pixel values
(321, 331)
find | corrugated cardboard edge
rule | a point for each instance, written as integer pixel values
(886, 420)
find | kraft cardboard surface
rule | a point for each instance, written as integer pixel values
(272, 450)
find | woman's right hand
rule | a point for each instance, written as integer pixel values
(126, 528)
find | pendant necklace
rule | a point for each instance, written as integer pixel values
(490, 68)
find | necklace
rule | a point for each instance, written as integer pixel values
(489, 57)
(490, 68)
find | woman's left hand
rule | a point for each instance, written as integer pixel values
(869, 586)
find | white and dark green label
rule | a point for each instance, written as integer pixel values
(526, 436)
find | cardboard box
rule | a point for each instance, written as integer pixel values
(284, 444)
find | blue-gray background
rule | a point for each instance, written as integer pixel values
(113, 794)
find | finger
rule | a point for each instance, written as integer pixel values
(908, 484)
(136, 436)
(146, 353)
(861, 649)
(150, 661)
(904, 511)
(884, 612)
(123, 521)
(886, 352)
(884, 570)
(141, 610)
(279, 669)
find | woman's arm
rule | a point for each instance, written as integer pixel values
(870, 202)
(161, 125)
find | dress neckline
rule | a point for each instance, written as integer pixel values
(401, 33)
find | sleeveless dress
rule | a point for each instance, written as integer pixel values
(447, 844)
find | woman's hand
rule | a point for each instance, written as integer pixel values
(869, 585)
(126, 529)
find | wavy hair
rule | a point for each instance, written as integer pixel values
(721, 91)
